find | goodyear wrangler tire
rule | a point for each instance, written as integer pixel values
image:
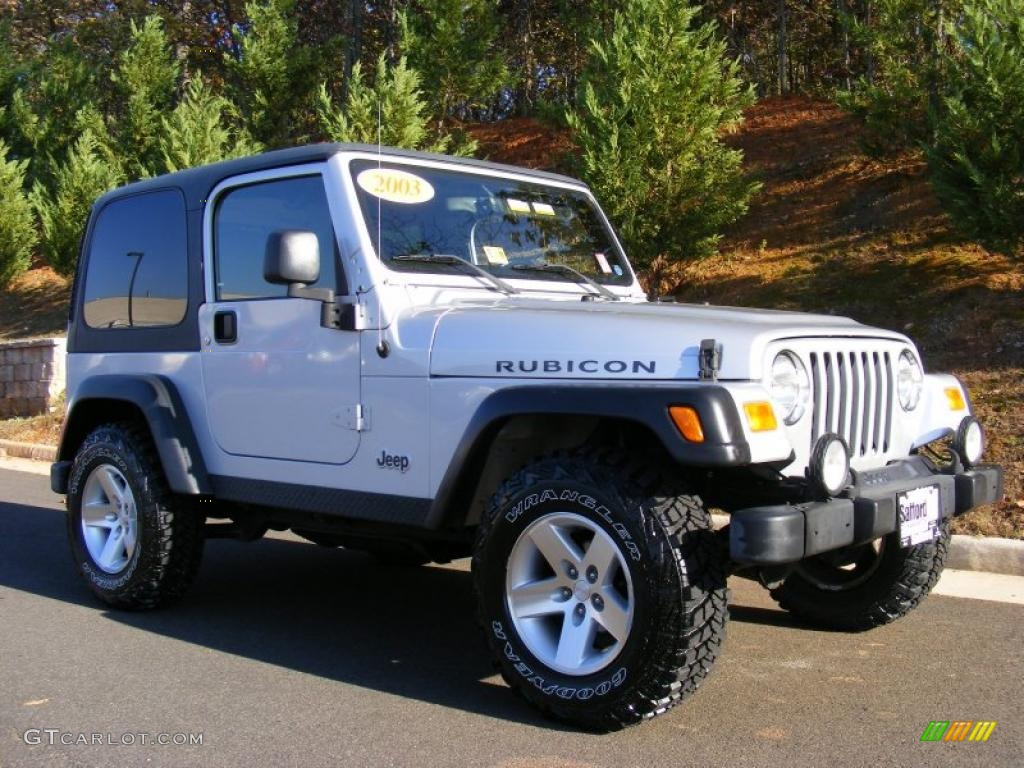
(136, 544)
(600, 589)
(864, 587)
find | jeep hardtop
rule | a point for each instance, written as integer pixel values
(427, 358)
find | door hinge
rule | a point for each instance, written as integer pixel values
(357, 417)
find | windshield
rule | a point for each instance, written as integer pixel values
(501, 225)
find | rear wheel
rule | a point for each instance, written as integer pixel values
(857, 588)
(136, 544)
(600, 589)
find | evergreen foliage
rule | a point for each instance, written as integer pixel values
(656, 99)
(145, 81)
(11, 70)
(977, 154)
(92, 93)
(78, 181)
(198, 131)
(17, 223)
(893, 102)
(46, 111)
(452, 44)
(404, 120)
(272, 78)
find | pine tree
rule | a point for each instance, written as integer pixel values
(403, 112)
(17, 223)
(451, 43)
(11, 71)
(83, 177)
(45, 112)
(893, 99)
(977, 155)
(273, 76)
(145, 81)
(656, 98)
(199, 130)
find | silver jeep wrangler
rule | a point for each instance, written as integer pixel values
(427, 358)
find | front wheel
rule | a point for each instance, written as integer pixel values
(858, 588)
(600, 589)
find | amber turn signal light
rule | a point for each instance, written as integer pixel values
(760, 416)
(687, 421)
(955, 398)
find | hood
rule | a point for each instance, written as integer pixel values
(518, 338)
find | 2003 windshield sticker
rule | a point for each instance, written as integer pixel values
(395, 186)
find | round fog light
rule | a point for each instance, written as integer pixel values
(969, 441)
(830, 464)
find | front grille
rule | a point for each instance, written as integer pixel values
(852, 395)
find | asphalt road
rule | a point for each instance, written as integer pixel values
(288, 654)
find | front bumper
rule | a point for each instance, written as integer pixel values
(788, 533)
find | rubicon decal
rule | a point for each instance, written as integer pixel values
(575, 366)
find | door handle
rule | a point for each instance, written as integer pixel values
(225, 326)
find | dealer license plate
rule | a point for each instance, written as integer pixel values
(919, 513)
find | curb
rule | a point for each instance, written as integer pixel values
(966, 553)
(986, 553)
(28, 451)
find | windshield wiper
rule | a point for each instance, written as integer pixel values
(563, 269)
(457, 261)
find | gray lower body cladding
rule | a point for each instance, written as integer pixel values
(354, 505)
(788, 533)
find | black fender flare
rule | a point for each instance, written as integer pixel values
(160, 404)
(724, 442)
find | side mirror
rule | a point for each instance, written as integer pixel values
(293, 259)
(292, 256)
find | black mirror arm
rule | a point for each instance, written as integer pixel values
(338, 315)
(303, 291)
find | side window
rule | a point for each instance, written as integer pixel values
(246, 216)
(137, 267)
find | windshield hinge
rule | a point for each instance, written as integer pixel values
(710, 359)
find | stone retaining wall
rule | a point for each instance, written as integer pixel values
(31, 376)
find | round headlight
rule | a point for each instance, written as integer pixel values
(790, 386)
(969, 441)
(909, 380)
(830, 464)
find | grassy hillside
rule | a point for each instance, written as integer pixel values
(833, 231)
(35, 304)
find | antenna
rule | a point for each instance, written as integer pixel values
(382, 345)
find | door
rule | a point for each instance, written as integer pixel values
(278, 385)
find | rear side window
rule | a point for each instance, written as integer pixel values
(245, 218)
(137, 268)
